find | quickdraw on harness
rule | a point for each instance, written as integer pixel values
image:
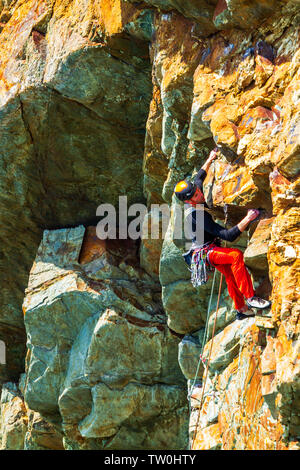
(200, 265)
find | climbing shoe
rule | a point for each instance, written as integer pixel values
(257, 302)
(242, 316)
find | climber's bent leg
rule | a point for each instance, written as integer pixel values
(233, 290)
(234, 258)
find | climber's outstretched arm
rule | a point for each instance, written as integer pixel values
(211, 158)
(201, 175)
(225, 234)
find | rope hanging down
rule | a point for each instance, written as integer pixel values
(206, 367)
(204, 338)
(208, 362)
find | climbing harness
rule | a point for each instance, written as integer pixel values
(200, 265)
(198, 259)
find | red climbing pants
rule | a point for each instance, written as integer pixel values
(230, 262)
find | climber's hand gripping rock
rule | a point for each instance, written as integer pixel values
(253, 214)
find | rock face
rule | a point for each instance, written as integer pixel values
(72, 126)
(112, 98)
(24, 429)
(100, 356)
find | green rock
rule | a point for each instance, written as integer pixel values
(72, 135)
(188, 356)
(199, 10)
(12, 418)
(98, 345)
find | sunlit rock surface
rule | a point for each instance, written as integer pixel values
(22, 428)
(13, 422)
(112, 98)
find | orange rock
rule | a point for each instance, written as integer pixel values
(282, 190)
(238, 187)
(224, 131)
(114, 14)
(255, 254)
(268, 384)
(252, 117)
(221, 6)
(13, 38)
(263, 70)
(208, 439)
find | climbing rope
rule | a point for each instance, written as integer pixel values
(208, 314)
(206, 366)
(203, 339)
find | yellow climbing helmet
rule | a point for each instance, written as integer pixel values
(184, 190)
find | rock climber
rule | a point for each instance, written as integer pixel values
(228, 261)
